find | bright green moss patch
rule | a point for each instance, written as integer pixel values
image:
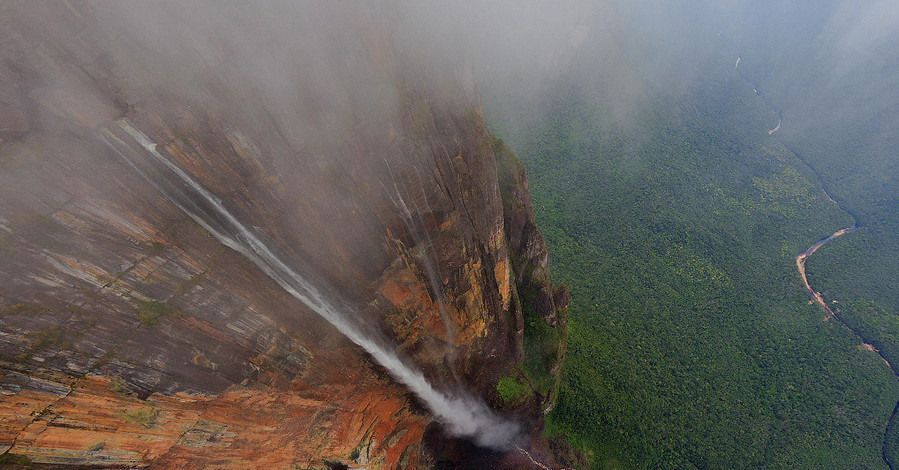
(511, 390)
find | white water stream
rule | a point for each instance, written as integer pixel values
(460, 413)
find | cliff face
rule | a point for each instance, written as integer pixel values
(129, 335)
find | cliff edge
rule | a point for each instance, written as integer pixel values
(131, 336)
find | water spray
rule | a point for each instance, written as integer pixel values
(460, 413)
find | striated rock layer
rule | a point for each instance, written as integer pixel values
(129, 336)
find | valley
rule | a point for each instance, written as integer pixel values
(688, 317)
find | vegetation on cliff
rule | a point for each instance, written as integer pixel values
(540, 309)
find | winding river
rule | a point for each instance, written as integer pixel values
(802, 257)
(800, 264)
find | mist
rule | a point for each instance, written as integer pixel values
(631, 53)
(320, 82)
(829, 67)
(462, 414)
(311, 97)
(322, 79)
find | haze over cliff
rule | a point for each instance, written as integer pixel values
(229, 228)
(236, 236)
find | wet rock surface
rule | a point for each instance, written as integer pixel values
(129, 336)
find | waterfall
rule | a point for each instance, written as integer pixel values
(460, 413)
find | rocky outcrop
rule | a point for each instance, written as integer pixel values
(534, 293)
(97, 421)
(531, 256)
(129, 336)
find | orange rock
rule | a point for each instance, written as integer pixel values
(241, 428)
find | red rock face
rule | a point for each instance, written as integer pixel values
(96, 421)
(131, 336)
